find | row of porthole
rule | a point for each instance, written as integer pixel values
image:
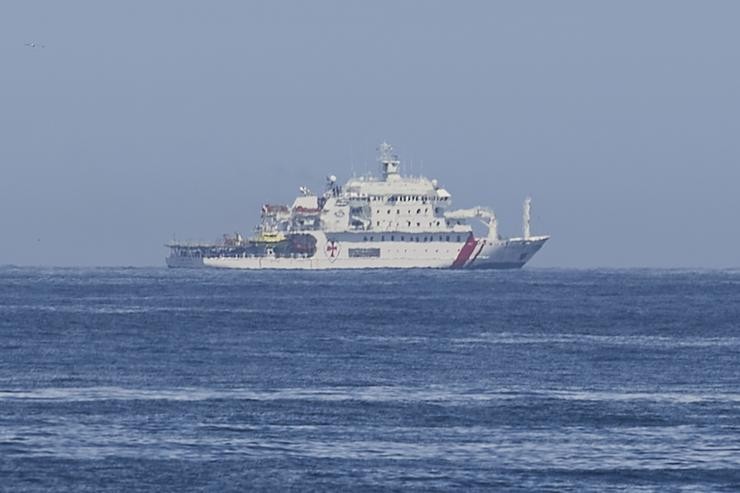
(385, 253)
(408, 223)
(405, 198)
(412, 238)
(418, 211)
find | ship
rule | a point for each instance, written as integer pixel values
(387, 221)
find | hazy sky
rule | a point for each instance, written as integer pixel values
(138, 120)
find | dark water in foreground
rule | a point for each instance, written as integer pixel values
(131, 379)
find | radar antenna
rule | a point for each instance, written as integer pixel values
(388, 161)
(331, 187)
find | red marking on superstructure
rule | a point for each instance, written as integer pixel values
(465, 252)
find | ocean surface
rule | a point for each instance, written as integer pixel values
(531, 380)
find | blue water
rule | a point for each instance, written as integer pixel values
(136, 379)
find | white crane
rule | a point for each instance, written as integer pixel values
(488, 217)
(484, 214)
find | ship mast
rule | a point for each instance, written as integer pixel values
(388, 161)
(527, 217)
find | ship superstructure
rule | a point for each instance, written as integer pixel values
(390, 221)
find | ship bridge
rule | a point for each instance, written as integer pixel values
(394, 202)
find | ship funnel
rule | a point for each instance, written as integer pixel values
(527, 217)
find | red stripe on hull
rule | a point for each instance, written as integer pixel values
(465, 252)
(480, 249)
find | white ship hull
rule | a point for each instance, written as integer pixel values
(474, 253)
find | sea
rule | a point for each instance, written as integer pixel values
(148, 379)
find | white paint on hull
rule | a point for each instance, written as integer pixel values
(512, 253)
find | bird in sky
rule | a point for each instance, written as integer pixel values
(33, 44)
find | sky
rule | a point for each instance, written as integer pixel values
(142, 120)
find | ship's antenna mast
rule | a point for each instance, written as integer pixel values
(527, 217)
(388, 161)
(352, 159)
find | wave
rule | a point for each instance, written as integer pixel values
(436, 394)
